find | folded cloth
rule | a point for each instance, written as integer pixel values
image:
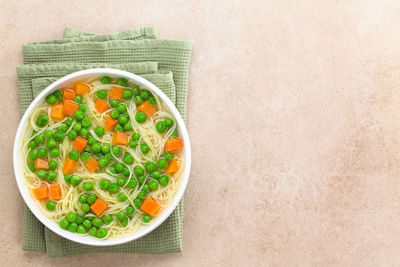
(35, 77)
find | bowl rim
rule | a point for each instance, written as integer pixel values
(88, 240)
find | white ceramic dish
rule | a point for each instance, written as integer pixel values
(88, 240)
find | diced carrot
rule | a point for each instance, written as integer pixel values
(150, 206)
(120, 138)
(56, 112)
(70, 108)
(116, 92)
(55, 192)
(79, 144)
(68, 94)
(69, 166)
(147, 108)
(101, 106)
(98, 206)
(81, 88)
(41, 164)
(173, 166)
(110, 123)
(92, 164)
(40, 192)
(173, 144)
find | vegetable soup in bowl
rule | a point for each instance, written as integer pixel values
(102, 157)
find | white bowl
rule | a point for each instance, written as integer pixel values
(89, 240)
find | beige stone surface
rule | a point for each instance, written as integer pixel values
(294, 118)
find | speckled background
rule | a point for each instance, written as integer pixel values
(294, 117)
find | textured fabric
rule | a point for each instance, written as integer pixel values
(34, 77)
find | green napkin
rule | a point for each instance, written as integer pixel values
(34, 78)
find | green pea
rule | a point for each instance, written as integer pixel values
(174, 133)
(120, 216)
(64, 223)
(87, 224)
(150, 167)
(118, 128)
(81, 229)
(122, 82)
(102, 94)
(132, 143)
(114, 114)
(79, 219)
(146, 218)
(103, 162)
(88, 148)
(99, 131)
(85, 207)
(138, 100)
(122, 119)
(135, 91)
(126, 172)
(31, 167)
(85, 156)
(132, 183)
(33, 154)
(41, 174)
(87, 186)
(164, 180)
(78, 115)
(141, 179)
(101, 233)
(39, 139)
(118, 166)
(93, 231)
(77, 126)
(168, 156)
(82, 199)
(144, 94)
(104, 183)
(74, 155)
(53, 165)
(137, 202)
(112, 170)
(75, 180)
(153, 185)
(107, 219)
(72, 227)
(140, 117)
(139, 171)
(51, 205)
(146, 188)
(51, 99)
(71, 217)
(59, 136)
(78, 99)
(32, 144)
(42, 152)
(128, 126)
(97, 222)
(69, 121)
(113, 188)
(108, 156)
(144, 148)
(48, 134)
(121, 181)
(82, 108)
(72, 135)
(58, 94)
(86, 123)
(90, 216)
(127, 94)
(63, 127)
(168, 122)
(122, 197)
(42, 120)
(130, 211)
(152, 100)
(96, 148)
(67, 178)
(128, 159)
(113, 103)
(161, 127)
(51, 176)
(125, 222)
(105, 79)
(105, 148)
(136, 136)
(156, 174)
(142, 195)
(92, 140)
(91, 199)
(162, 163)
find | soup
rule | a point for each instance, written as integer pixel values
(102, 156)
